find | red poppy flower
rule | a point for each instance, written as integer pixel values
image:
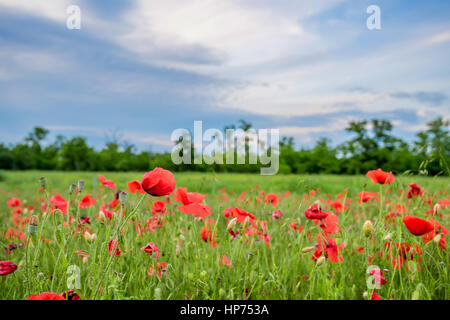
(158, 182)
(58, 202)
(208, 235)
(161, 267)
(70, 295)
(414, 190)
(113, 245)
(196, 209)
(375, 296)
(14, 202)
(365, 196)
(315, 212)
(333, 252)
(277, 214)
(151, 248)
(380, 177)
(46, 296)
(294, 226)
(378, 275)
(271, 198)
(158, 206)
(7, 267)
(87, 201)
(417, 226)
(107, 183)
(225, 262)
(438, 229)
(134, 186)
(184, 197)
(240, 215)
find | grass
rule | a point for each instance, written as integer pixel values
(193, 270)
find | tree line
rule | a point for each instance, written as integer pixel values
(371, 146)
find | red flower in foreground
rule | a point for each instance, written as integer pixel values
(158, 182)
(46, 296)
(192, 203)
(7, 267)
(414, 190)
(113, 245)
(438, 229)
(134, 186)
(417, 226)
(107, 183)
(158, 206)
(380, 177)
(315, 212)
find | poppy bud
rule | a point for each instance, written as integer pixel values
(246, 221)
(32, 228)
(177, 250)
(320, 261)
(122, 197)
(72, 188)
(368, 228)
(231, 224)
(80, 185)
(415, 295)
(203, 274)
(365, 295)
(43, 182)
(308, 249)
(222, 292)
(157, 294)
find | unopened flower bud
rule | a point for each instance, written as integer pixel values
(43, 182)
(320, 261)
(32, 228)
(231, 224)
(123, 197)
(387, 237)
(222, 292)
(308, 249)
(80, 185)
(368, 228)
(157, 294)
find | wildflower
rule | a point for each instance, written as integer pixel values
(43, 183)
(158, 182)
(315, 212)
(277, 214)
(7, 267)
(134, 186)
(14, 202)
(272, 199)
(70, 295)
(375, 296)
(417, 226)
(87, 201)
(414, 191)
(380, 177)
(225, 262)
(107, 183)
(46, 296)
(151, 248)
(113, 245)
(122, 197)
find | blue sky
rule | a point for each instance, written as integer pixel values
(140, 69)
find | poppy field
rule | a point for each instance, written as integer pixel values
(200, 236)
